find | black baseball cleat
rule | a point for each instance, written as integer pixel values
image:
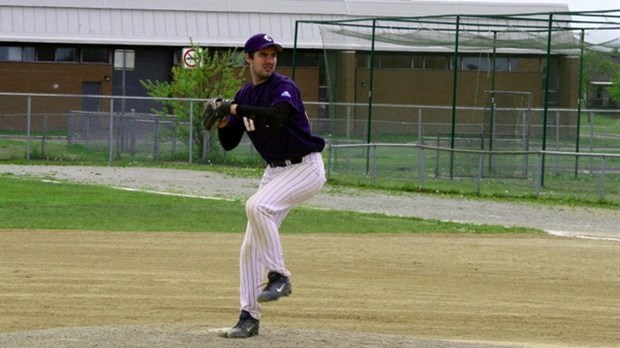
(246, 327)
(277, 287)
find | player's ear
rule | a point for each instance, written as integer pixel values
(248, 58)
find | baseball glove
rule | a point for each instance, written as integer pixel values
(215, 110)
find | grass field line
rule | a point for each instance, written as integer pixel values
(573, 235)
(172, 194)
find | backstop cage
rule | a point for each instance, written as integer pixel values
(503, 81)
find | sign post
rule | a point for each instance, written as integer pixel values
(124, 60)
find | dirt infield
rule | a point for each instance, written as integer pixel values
(108, 289)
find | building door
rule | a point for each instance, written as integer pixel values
(91, 103)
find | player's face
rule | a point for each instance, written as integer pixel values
(263, 64)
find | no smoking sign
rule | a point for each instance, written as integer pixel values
(190, 58)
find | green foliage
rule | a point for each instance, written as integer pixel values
(599, 65)
(614, 90)
(215, 76)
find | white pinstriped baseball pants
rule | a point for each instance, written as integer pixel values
(281, 188)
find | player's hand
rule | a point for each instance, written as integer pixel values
(215, 111)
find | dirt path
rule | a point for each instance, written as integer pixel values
(107, 289)
(560, 220)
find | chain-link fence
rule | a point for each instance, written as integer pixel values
(491, 173)
(472, 128)
(77, 128)
(488, 150)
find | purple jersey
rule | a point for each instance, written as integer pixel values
(294, 139)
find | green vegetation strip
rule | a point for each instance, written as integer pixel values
(28, 203)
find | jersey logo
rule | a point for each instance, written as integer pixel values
(285, 94)
(249, 124)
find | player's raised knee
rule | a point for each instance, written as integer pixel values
(254, 207)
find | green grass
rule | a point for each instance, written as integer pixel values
(37, 204)
(609, 122)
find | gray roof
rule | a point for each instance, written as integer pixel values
(225, 23)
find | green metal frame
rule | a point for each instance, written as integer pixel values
(540, 22)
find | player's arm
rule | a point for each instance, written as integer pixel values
(275, 116)
(230, 132)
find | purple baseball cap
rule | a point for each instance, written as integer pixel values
(259, 42)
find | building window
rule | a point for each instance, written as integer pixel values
(54, 54)
(418, 62)
(46, 54)
(404, 61)
(29, 54)
(66, 54)
(436, 63)
(10, 54)
(95, 55)
(303, 58)
(484, 63)
(478, 63)
(501, 64)
(393, 61)
(57, 54)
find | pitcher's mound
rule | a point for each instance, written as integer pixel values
(154, 336)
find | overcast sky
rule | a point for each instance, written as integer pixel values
(579, 5)
(589, 5)
(586, 5)
(573, 5)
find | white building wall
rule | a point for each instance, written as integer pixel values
(225, 23)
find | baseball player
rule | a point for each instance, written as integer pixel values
(270, 110)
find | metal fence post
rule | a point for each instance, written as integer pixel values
(132, 134)
(348, 125)
(156, 139)
(190, 130)
(28, 126)
(421, 165)
(437, 157)
(111, 132)
(557, 130)
(373, 170)
(525, 142)
(479, 179)
(538, 177)
(591, 124)
(601, 180)
(329, 158)
(43, 135)
(420, 127)
(87, 120)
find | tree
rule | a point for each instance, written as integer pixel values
(614, 90)
(215, 75)
(600, 66)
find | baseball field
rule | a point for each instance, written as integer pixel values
(87, 288)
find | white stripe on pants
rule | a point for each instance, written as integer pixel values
(281, 188)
